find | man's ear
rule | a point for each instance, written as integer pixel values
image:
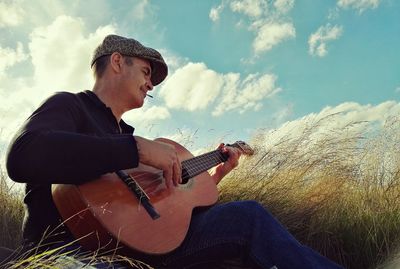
(116, 62)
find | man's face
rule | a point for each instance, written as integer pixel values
(136, 81)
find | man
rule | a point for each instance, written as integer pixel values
(74, 138)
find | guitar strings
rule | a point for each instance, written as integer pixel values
(204, 162)
(194, 166)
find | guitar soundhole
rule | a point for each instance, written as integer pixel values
(185, 176)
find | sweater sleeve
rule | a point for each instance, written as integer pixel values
(50, 149)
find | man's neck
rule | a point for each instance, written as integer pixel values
(106, 93)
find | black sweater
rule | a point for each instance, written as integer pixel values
(69, 139)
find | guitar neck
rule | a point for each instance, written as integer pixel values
(197, 165)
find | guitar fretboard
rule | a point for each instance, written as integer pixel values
(199, 164)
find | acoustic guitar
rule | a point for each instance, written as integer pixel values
(133, 210)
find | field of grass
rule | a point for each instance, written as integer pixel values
(336, 191)
(11, 213)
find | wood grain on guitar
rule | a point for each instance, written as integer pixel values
(105, 213)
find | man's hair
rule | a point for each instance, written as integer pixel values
(100, 65)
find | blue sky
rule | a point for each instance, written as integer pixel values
(235, 66)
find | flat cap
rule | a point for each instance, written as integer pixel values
(133, 48)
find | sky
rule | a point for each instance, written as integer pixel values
(235, 67)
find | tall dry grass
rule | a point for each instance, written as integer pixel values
(11, 213)
(336, 191)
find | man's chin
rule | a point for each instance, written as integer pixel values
(139, 104)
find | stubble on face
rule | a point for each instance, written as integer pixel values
(136, 79)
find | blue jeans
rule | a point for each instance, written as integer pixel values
(247, 231)
(242, 231)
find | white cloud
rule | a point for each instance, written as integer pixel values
(318, 40)
(333, 13)
(247, 94)
(140, 10)
(10, 14)
(146, 117)
(147, 114)
(270, 34)
(191, 87)
(173, 61)
(10, 57)
(360, 5)
(61, 54)
(284, 6)
(195, 87)
(43, 12)
(215, 12)
(397, 89)
(266, 19)
(251, 8)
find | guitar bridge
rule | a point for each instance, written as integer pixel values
(139, 193)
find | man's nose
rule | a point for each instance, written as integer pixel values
(149, 85)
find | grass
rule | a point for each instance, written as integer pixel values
(337, 191)
(54, 259)
(11, 214)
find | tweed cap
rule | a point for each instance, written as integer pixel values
(132, 47)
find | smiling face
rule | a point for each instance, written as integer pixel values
(135, 81)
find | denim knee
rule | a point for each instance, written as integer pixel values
(249, 209)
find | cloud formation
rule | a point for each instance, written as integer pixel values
(139, 11)
(191, 87)
(61, 53)
(318, 41)
(9, 57)
(215, 12)
(283, 6)
(11, 14)
(196, 87)
(268, 21)
(251, 8)
(360, 5)
(270, 34)
(146, 117)
(246, 94)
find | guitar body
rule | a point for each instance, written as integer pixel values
(104, 213)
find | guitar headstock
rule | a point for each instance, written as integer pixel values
(243, 146)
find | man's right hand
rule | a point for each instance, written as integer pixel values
(162, 156)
